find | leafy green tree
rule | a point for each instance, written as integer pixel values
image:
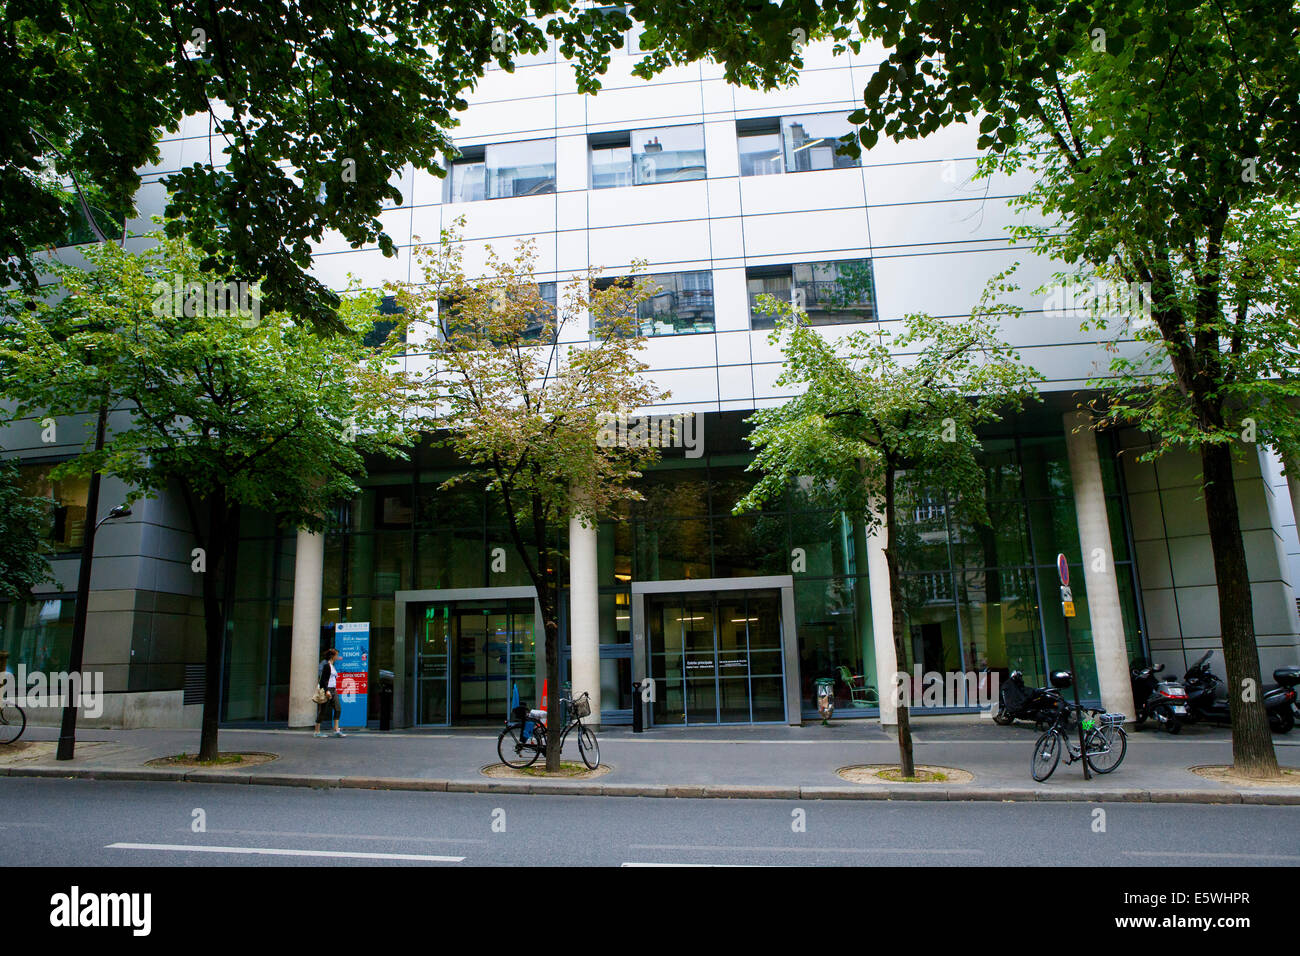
(529, 412)
(867, 412)
(316, 107)
(231, 408)
(23, 541)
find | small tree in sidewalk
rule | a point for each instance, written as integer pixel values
(526, 412)
(232, 409)
(868, 410)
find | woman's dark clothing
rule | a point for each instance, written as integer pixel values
(331, 708)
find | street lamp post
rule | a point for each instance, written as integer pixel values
(68, 730)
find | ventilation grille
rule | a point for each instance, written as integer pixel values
(195, 685)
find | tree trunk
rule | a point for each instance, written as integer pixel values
(900, 649)
(1252, 741)
(214, 624)
(547, 599)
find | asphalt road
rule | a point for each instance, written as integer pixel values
(95, 823)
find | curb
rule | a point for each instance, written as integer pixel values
(690, 791)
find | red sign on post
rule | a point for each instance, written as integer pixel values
(1063, 569)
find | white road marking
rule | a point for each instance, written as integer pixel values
(796, 849)
(278, 851)
(351, 836)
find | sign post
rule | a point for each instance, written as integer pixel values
(352, 641)
(1067, 612)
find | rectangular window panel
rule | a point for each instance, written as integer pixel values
(668, 154)
(810, 142)
(611, 166)
(777, 285)
(836, 292)
(684, 303)
(66, 519)
(466, 182)
(760, 154)
(521, 169)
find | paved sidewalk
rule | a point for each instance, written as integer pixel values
(742, 761)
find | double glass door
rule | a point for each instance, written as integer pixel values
(469, 656)
(716, 657)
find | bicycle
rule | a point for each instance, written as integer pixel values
(12, 723)
(1104, 742)
(519, 746)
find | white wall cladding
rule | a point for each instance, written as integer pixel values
(934, 235)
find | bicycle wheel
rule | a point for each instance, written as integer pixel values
(1047, 753)
(514, 750)
(1105, 748)
(589, 747)
(12, 723)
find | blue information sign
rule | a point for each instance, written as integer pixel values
(352, 641)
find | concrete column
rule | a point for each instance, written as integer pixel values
(1098, 565)
(1291, 463)
(308, 570)
(584, 613)
(882, 624)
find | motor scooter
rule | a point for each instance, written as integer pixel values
(1164, 701)
(1208, 699)
(1018, 702)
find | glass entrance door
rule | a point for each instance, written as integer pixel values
(469, 656)
(716, 657)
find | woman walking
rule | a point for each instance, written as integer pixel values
(330, 706)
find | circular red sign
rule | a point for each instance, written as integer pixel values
(1063, 569)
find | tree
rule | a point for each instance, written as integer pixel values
(23, 541)
(526, 413)
(318, 106)
(231, 408)
(867, 412)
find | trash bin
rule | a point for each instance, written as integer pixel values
(825, 697)
(385, 700)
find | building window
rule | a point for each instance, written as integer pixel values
(832, 293)
(759, 143)
(792, 144)
(377, 337)
(501, 171)
(66, 521)
(682, 304)
(666, 154)
(535, 323)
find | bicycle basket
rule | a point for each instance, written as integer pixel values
(1115, 719)
(581, 707)
(520, 712)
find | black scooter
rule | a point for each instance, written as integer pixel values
(1207, 697)
(1164, 701)
(1018, 702)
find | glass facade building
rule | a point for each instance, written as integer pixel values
(978, 599)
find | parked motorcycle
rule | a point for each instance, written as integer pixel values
(1207, 696)
(1018, 702)
(1164, 701)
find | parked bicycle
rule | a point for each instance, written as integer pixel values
(1104, 742)
(524, 738)
(12, 723)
